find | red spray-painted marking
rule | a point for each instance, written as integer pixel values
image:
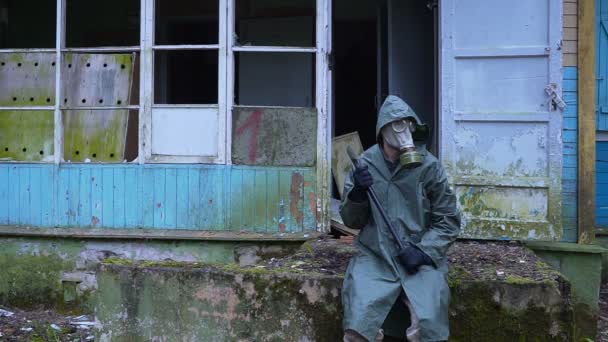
(254, 121)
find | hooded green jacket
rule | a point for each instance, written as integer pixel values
(422, 208)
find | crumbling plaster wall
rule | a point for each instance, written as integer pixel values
(60, 273)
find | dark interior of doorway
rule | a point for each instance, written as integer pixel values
(383, 48)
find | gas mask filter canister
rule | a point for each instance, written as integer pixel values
(398, 134)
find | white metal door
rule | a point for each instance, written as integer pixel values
(500, 128)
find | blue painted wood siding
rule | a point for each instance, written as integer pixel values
(205, 197)
(570, 152)
(601, 201)
(601, 64)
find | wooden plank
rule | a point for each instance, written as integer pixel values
(84, 187)
(133, 202)
(153, 234)
(194, 199)
(273, 200)
(570, 34)
(35, 196)
(183, 196)
(210, 188)
(119, 198)
(96, 197)
(148, 198)
(340, 161)
(107, 219)
(586, 123)
(248, 194)
(261, 201)
(235, 211)
(24, 196)
(48, 188)
(285, 220)
(170, 198)
(159, 198)
(63, 195)
(570, 8)
(569, 46)
(570, 59)
(570, 21)
(309, 201)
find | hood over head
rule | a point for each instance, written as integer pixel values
(393, 109)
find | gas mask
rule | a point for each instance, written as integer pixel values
(398, 134)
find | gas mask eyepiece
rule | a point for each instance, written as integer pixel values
(398, 134)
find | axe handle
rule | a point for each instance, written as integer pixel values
(372, 195)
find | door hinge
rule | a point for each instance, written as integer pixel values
(555, 99)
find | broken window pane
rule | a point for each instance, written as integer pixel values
(275, 79)
(27, 79)
(26, 135)
(100, 135)
(275, 22)
(186, 77)
(187, 22)
(92, 23)
(27, 24)
(100, 79)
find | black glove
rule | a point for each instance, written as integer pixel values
(412, 258)
(363, 180)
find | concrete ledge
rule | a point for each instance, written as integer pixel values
(582, 266)
(298, 299)
(564, 247)
(153, 234)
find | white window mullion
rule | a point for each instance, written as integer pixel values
(146, 94)
(59, 44)
(229, 100)
(222, 81)
(323, 104)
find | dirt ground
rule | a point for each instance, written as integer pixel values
(602, 326)
(480, 260)
(44, 326)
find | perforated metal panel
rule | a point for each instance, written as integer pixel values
(26, 79)
(96, 80)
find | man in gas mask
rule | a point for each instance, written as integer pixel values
(405, 297)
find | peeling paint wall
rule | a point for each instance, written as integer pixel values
(274, 136)
(198, 197)
(61, 273)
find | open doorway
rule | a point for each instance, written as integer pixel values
(382, 48)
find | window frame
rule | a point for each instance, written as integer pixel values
(226, 80)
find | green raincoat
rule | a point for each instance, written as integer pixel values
(422, 208)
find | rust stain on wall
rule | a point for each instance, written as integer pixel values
(295, 197)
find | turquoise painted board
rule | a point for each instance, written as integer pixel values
(194, 200)
(170, 198)
(570, 153)
(35, 196)
(84, 214)
(119, 198)
(601, 203)
(601, 64)
(182, 201)
(199, 197)
(148, 198)
(132, 201)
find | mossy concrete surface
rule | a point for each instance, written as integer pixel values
(582, 266)
(601, 239)
(60, 273)
(198, 302)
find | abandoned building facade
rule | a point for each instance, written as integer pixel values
(156, 129)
